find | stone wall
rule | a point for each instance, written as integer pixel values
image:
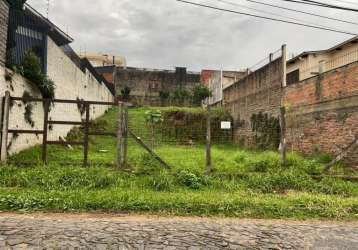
(323, 112)
(146, 84)
(259, 92)
(4, 13)
(71, 83)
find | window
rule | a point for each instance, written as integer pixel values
(293, 77)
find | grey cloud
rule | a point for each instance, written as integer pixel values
(165, 33)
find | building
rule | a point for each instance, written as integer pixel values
(310, 63)
(101, 60)
(155, 87)
(74, 78)
(218, 80)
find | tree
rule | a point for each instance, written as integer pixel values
(17, 4)
(153, 118)
(200, 93)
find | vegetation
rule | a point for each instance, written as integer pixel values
(243, 183)
(17, 4)
(200, 93)
(153, 118)
(125, 94)
(32, 70)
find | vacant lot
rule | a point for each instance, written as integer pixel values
(243, 184)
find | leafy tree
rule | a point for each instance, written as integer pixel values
(153, 118)
(200, 93)
(180, 95)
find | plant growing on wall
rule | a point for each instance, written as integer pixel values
(32, 70)
(164, 96)
(28, 114)
(28, 108)
(181, 95)
(267, 131)
(81, 106)
(200, 93)
(125, 93)
(153, 118)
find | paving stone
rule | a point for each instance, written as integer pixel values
(75, 232)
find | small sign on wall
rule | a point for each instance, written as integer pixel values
(225, 125)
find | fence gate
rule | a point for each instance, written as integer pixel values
(49, 107)
(180, 138)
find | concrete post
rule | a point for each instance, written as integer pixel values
(284, 65)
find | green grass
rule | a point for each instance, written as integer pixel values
(244, 183)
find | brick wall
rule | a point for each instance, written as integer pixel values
(146, 85)
(258, 92)
(323, 112)
(4, 13)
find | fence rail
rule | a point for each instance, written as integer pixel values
(47, 122)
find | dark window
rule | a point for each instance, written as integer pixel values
(293, 77)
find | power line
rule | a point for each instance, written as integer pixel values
(320, 4)
(267, 18)
(346, 2)
(303, 12)
(271, 13)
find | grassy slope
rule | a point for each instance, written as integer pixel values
(244, 184)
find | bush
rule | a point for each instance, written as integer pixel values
(191, 180)
(32, 70)
(200, 93)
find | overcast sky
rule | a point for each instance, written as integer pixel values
(166, 33)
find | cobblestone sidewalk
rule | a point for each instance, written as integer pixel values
(57, 231)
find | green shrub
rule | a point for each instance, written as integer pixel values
(200, 93)
(192, 180)
(32, 70)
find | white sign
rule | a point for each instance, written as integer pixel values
(225, 125)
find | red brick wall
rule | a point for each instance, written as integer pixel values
(323, 112)
(258, 92)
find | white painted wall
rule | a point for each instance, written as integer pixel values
(71, 83)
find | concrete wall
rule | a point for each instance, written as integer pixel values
(71, 83)
(217, 81)
(146, 84)
(323, 112)
(260, 91)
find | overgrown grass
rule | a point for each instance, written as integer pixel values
(243, 184)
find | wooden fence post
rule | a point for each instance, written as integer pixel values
(45, 129)
(125, 134)
(283, 134)
(208, 141)
(5, 126)
(122, 135)
(86, 132)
